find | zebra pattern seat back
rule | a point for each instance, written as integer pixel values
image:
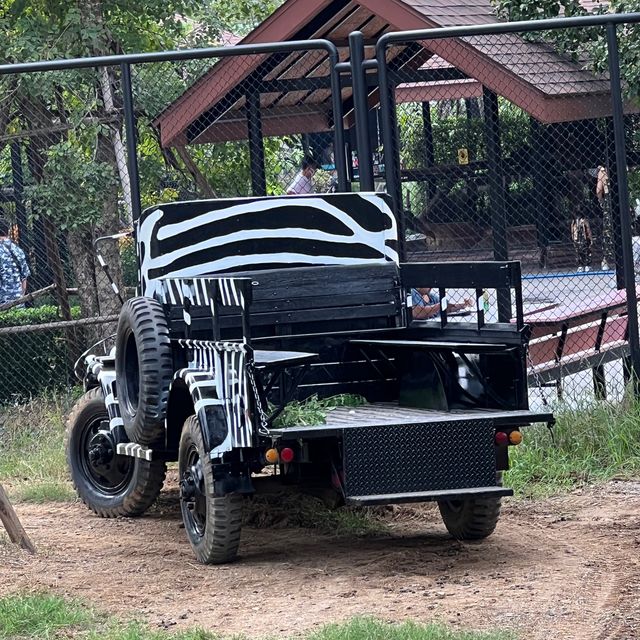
(186, 239)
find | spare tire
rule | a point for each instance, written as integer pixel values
(144, 369)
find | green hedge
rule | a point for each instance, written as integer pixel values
(33, 362)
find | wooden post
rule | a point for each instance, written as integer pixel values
(9, 518)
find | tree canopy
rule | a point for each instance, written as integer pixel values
(586, 46)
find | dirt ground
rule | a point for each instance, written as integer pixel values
(566, 568)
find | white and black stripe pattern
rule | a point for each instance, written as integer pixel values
(107, 271)
(201, 292)
(216, 376)
(187, 239)
(106, 376)
(134, 450)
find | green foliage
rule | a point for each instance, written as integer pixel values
(42, 616)
(590, 444)
(70, 169)
(314, 411)
(129, 262)
(587, 43)
(33, 466)
(31, 362)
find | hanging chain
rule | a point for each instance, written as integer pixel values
(264, 419)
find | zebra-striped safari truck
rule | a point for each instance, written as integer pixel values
(246, 305)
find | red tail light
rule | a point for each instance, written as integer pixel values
(286, 455)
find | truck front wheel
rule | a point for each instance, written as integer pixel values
(109, 484)
(213, 523)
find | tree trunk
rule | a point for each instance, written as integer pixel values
(81, 250)
(119, 152)
(108, 301)
(9, 518)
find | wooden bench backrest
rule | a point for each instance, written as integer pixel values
(309, 300)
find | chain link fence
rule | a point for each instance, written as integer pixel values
(510, 153)
(67, 184)
(494, 146)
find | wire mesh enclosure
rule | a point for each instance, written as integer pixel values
(492, 143)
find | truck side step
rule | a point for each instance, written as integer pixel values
(428, 496)
(134, 450)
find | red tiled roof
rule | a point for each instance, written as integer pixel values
(531, 75)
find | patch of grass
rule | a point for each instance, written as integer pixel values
(32, 464)
(371, 629)
(590, 444)
(43, 616)
(314, 410)
(45, 491)
(283, 510)
(40, 616)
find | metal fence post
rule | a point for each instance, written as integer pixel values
(365, 161)
(390, 144)
(623, 199)
(339, 149)
(132, 144)
(496, 194)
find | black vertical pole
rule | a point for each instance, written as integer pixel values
(256, 145)
(17, 174)
(390, 143)
(496, 194)
(623, 200)
(613, 205)
(427, 129)
(429, 153)
(132, 140)
(360, 102)
(339, 148)
(541, 169)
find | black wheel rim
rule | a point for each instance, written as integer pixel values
(131, 375)
(194, 499)
(107, 472)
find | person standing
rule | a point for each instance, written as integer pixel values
(303, 182)
(582, 240)
(14, 269)
(602, 193)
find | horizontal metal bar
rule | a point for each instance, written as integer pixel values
(561, 370)
(429, 496)
(170, 56)
(504, 27)
(52, 326)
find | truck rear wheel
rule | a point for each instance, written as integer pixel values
(212, 523)
(144, 369)
(471, 519)
(109, 484)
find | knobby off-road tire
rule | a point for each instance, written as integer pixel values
(144, 369)
(471, 519)
(119, 486)
(213, 524)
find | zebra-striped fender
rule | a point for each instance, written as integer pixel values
(106, 376)
(184, 239)
(217, 381)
